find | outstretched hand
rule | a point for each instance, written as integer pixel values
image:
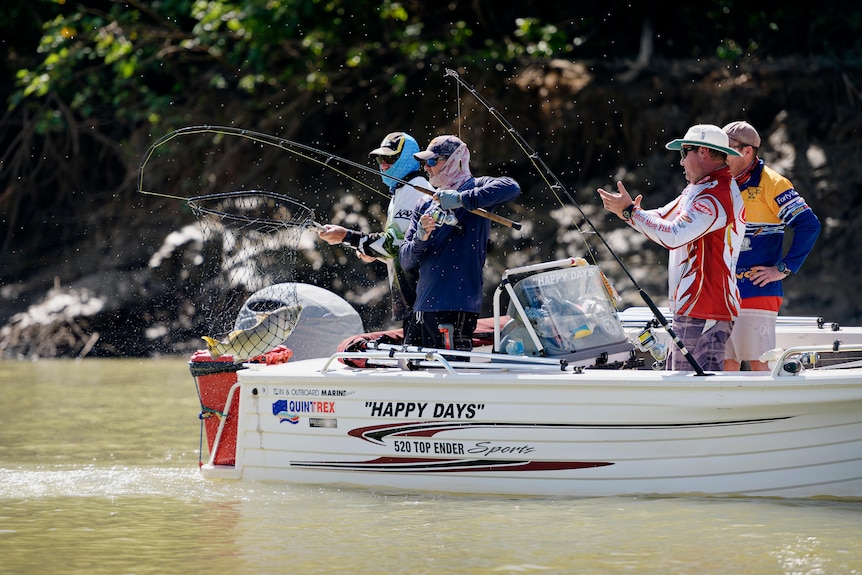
(616, 203)
(332, 234)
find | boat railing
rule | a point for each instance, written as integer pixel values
(635, 317)
(795, 360)
(384, 358)
(224, 416)
(413, 357)
(789, 362)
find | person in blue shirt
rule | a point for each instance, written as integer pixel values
(772, 204)
(448, 244)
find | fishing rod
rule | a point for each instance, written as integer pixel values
(258, 137)
(555, 185)
(305, 152)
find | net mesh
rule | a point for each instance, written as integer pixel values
(251, 241)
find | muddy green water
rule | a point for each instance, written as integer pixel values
(98, 475)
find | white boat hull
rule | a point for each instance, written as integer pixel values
(559, 408)
(545, 432)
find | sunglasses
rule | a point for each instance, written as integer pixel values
(683, 152)
(435, 160)
(389, 160)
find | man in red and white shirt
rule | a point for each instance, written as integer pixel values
(703, 229)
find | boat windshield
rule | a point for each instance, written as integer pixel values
(569, 309)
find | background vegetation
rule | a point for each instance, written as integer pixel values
(89, 85)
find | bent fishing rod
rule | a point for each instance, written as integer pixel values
(555, 185)
(304, 151)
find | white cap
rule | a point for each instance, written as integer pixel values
(706, 135)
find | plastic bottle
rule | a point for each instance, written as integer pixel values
(515, 347)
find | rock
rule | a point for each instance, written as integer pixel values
(126, 286)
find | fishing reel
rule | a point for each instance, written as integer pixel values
(647, 342)
(443, 217)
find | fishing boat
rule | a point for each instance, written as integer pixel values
(568, 398)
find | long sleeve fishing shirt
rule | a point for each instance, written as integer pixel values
(772, 205)
(386, 244)
(450, 261)
(703, 229)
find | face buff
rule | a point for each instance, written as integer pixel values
(455, 171)
(405, 165)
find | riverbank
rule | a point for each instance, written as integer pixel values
(104, 293)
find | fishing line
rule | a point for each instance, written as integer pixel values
(458, 108)
(544, 171)
(161, 195)
(260, 138)
(555, 185)
(288, 145)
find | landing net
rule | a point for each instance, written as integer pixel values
(247, 286)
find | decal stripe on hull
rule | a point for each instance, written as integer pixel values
(426, 465)
(377, 433)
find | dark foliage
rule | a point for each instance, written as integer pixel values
(90, 85)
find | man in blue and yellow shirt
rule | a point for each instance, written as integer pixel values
(771, 205)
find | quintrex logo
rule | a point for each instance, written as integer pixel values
(289, 410)
(279, 409)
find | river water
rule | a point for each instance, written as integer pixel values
(98, 475)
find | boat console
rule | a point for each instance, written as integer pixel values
(564, 309)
